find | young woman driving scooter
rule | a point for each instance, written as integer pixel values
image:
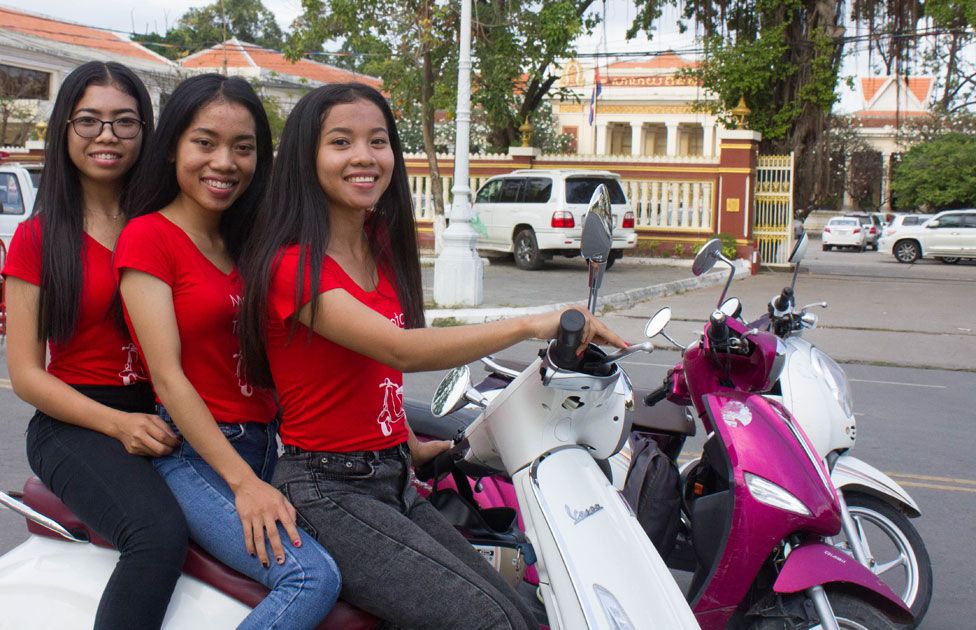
(332, 316)
(95, 427)
(193, 209)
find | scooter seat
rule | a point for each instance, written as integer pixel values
(425, 424)
(199, 564)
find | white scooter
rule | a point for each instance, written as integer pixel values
(545, 430)
(875, 507)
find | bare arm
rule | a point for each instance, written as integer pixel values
(149, 302)
(344, 320)
(140, 433)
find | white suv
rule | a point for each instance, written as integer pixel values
(535, 214)
(948, 236)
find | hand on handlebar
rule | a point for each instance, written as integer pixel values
(593, 330)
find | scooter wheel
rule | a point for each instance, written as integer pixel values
(851, 612)
(899, 553)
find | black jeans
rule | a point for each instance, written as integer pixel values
(121, 498)
(399, 558)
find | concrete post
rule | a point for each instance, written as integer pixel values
(600, 143)
(708, 139)
(636, 138)
(672, 139)
(458, 270)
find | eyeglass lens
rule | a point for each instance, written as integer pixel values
(89, 127)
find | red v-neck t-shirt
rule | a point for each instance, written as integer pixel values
(206, 302)
(98, 352)
(332, 398)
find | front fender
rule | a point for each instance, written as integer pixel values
(851, 473)
(819, 564)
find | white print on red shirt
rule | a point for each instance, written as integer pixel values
(132, 371)
(398, 319)
(246, 388)
(392, 406)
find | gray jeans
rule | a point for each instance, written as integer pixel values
(399, 558)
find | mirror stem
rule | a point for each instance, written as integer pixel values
(728, 282)
(596, 279)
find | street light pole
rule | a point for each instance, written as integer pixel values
(458, 271)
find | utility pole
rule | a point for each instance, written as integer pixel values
(458, 271)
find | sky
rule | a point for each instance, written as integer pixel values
(142, 16)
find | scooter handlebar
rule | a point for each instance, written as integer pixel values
(568, 340)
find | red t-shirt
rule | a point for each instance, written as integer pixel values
(97, 353)
(206, 301)
(332, 399)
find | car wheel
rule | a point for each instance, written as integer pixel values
(950, 260)
(826, 248)
(526, 250)
(862, 247)
(615, 255)
(906, 251)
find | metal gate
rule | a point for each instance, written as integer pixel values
(773, 227)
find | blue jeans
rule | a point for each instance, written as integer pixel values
(306, 586)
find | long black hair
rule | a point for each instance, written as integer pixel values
(154, 184)
(295, 211)
(59, 203)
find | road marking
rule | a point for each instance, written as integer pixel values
(859, 380)
(667, 365)
(5, 383)
(971, 482)
(932, 486)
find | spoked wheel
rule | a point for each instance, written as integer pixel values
(526, 250)
(895, 550)
(907, 251)
(851, 612)
(949, 260)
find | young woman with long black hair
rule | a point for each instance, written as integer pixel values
(95, 425)
(192, 210)
(332, 316)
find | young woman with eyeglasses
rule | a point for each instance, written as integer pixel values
(95, 427)
(193, 208)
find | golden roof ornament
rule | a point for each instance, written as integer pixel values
(40, 130)
(740, 112)
(526, 130)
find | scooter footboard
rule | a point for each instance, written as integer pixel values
(815, 564)
(590, 544)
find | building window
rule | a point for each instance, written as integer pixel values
(620, 139)
(21, 83)
(655, 139)
(690, 139)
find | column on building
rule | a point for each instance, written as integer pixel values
(636, 138)
(708, 139)
(672, 139)
(601, 147)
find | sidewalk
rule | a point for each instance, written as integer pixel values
(510, 291)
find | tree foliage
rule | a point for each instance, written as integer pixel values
(202, 27)
(938, 174)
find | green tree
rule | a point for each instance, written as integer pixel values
(938, 174)
(947, 60)
(784, 57)
(202, 27)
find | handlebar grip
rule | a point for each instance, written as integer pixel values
(658, 394)
(568, 339)
(785, 299)
(718, 331)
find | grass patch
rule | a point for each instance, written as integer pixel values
(446, 322)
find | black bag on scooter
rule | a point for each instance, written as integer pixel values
(652, 490)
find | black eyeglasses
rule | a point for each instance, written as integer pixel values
(91, 127)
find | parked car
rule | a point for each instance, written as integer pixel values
(843, 232)
(898, 225)
(16, 199)
(535, 214)
(872, 223)
(948, 236)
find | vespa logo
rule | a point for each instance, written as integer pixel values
(579, 516)
(735, 413)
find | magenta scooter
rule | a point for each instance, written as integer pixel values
(758, 505)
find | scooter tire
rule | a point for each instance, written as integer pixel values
(877, 512)
(852, 613)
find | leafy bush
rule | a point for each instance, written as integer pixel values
(938, 174)
(729, 248)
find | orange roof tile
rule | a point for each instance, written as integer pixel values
(919, 86)
(74, 34)
(244, 55)
(664, 61)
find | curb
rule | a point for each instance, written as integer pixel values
(616, 301)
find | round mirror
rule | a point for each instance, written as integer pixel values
(656, 324)
(597, 227)
(450, 393)
(707, 257)
(799, 250)
(731, 307)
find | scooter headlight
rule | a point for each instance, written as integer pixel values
(769, 493)
(832, 374)
(614, 611)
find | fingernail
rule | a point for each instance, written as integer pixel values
(297, 542)
(280, 559)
